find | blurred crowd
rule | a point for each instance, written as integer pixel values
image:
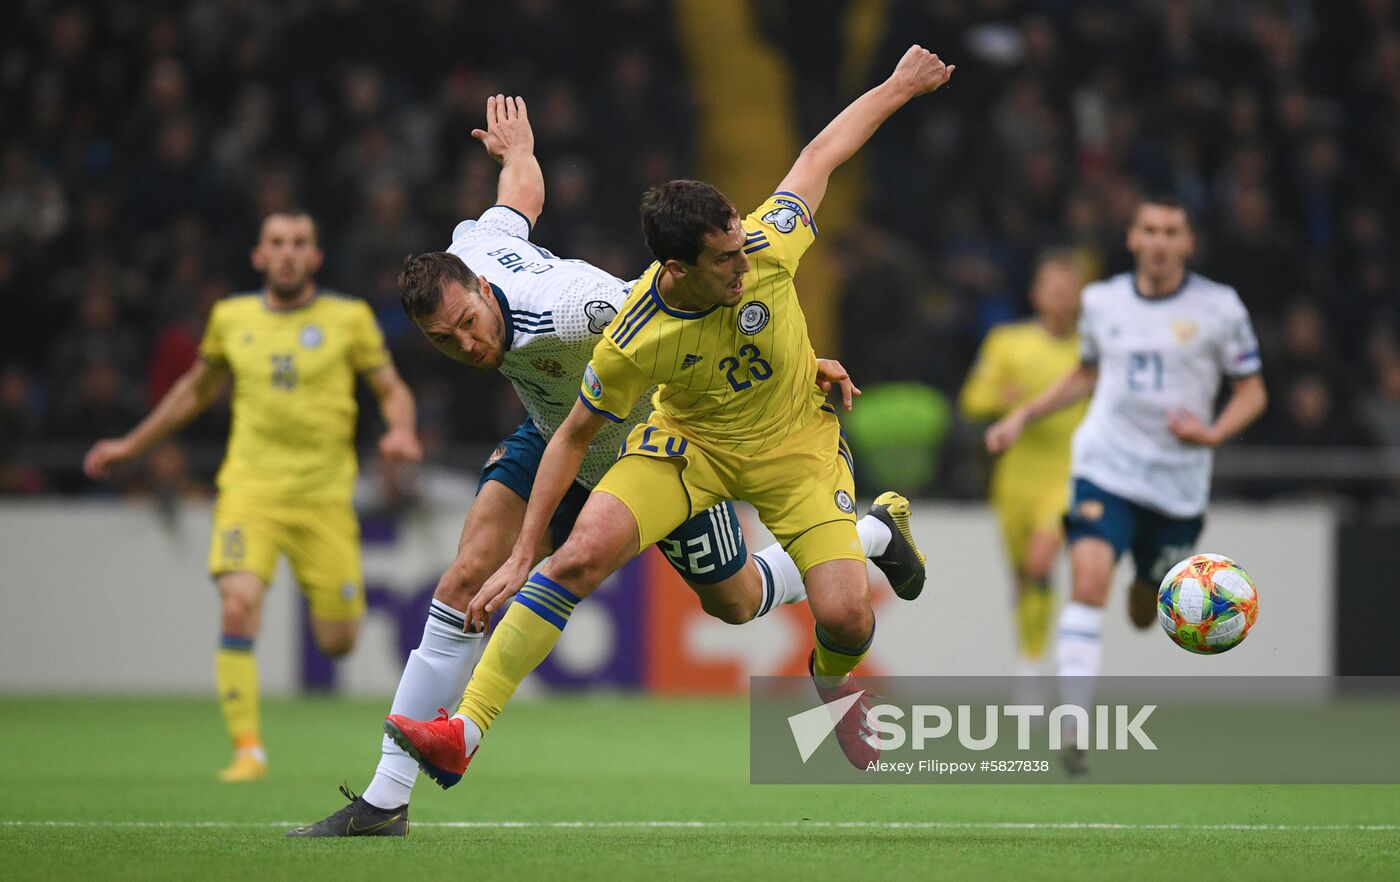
(141, 143)
(1277, 122)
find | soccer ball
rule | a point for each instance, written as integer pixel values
(1207, 604)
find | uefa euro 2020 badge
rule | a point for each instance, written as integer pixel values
(311, 336)
(591, 383)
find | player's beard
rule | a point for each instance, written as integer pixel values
(286, 293)
(493, 361)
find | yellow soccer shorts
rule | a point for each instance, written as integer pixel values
(321, 541)
(1029, 507)
(803, 488)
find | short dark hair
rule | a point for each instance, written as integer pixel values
(1165, 200)
(1063, 255)
(423, 277)
(294, 211)
(677, 215)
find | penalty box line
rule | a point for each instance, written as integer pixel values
(733, 825)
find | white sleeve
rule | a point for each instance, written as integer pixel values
(583, 309)
(1239, 348)
(498, 220)
(1088, 345)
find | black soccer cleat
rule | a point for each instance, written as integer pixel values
(359, 818)
(903, 562)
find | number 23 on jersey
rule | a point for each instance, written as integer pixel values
(743, 374)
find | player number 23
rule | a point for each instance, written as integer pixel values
(754, 365)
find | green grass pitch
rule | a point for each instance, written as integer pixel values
(124, 789)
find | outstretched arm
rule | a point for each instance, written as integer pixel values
(558, 469)
(195, 390)
(918, 73)
(988, 393)
(400, 440)
(510, 141)
(1248, 399)
(1072, 387)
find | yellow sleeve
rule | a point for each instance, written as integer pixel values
(982, 393)
(211, 348)
(780, 230)
(612, 382)
(367, 350)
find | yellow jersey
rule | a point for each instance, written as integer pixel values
(1025, 359)
(293, 393)
(732, 378)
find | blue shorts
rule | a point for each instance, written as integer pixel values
(706, 549)
(1157, 542)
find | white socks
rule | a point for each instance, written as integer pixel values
(782, 583)
(1078, 652)
(874, 535)
(471, 733)
(436, 673)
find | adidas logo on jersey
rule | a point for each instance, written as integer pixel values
(691, 360)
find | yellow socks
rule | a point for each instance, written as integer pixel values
(236, 675)
(524, 636)
(1034, 606)
(834, 660)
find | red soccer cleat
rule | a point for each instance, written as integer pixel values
(438, 745)
(852, 732)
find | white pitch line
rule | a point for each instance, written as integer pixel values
(739, 825)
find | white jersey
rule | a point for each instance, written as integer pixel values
(555, 310)
(1155, 356)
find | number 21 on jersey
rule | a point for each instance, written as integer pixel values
(1145, 371)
